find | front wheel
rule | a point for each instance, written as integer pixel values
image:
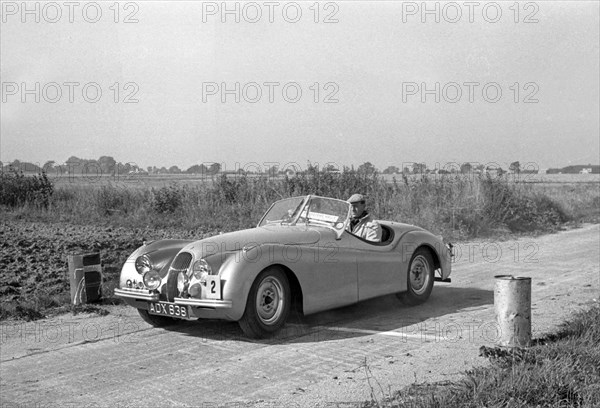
(156, 321)
(268, 304)
(420, 278)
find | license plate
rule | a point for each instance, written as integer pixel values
(168, 309)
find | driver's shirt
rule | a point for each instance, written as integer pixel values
(365, 227)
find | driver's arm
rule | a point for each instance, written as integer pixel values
(373, 231)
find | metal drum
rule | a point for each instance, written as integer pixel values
(512, 302)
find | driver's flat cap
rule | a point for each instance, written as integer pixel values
(356, 198)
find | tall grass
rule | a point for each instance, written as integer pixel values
(456, 206)
(18, 190)
(559, 370)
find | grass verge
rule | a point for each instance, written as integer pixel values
(559, 370)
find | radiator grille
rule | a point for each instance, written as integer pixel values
(182, 261)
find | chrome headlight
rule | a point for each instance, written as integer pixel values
(200, 269)
(143, 264)
(152, 280)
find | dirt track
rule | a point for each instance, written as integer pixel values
(346, 355)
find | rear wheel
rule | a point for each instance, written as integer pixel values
(268, 304)
(156, 321)
(420, 278)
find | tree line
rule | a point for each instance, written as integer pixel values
(107, 165)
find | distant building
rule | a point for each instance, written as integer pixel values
(138, 171)
(586, 170)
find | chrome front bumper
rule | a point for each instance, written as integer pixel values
(210, 303)
(145, 294)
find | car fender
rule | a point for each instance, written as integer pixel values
(239, 270)
(416, 239)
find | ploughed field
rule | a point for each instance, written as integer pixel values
(33, 260)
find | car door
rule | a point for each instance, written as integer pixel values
(333, 274)
(379, 270)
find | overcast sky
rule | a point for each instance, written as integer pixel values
(376, 63)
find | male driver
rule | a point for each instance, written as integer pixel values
(361, 223)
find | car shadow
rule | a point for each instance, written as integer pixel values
(386, 314)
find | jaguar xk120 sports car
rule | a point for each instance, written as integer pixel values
(300, 254)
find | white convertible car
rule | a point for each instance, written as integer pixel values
(300, 255)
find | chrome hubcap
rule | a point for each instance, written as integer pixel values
(269, 300)
(419, 275)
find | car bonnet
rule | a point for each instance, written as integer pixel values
(269, 234)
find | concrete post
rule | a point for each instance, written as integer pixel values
(512, 302)
(85, 277)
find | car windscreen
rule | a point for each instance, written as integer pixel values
(325, 211)
(283, 211)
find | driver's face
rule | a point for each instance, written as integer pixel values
(357, 209)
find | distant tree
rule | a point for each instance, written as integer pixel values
(107, 164)
(25, 167)
(515, 167)
(213, 169)
(391, 170)
(49, 165)
(73, 164)
(466, 168)
(174, 170)
(121, 168)
(197, 169)
(419, 168)
(366, 168)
